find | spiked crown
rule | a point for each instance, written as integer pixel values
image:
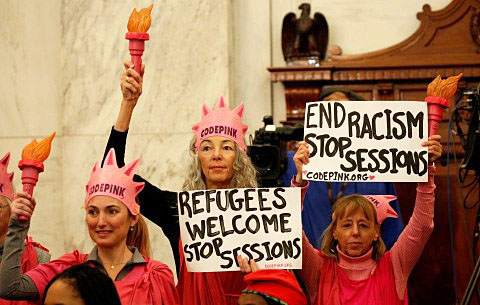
(221, 121)
(115, 182)
(382, 205)
(6, 179)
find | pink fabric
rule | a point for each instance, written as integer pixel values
(396, 265)
(208, 288)
(145, 284)
(382, 206)
(6, 186)
(335, 286)
(29, 261)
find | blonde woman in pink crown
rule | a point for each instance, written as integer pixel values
(219, 160)
(352, 266)
(112, 218)
(33, 253)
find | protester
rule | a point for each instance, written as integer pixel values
(219, 160)
(352, 267)
(317, 206)
(33, 253)
(112, 214)
(81, 284)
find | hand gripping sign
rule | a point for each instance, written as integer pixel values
(366, 141)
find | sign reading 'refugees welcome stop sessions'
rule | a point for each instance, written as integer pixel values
(262, 224)
(367, 141)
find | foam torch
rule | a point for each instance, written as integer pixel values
(438, 93)
(138, 25)
(31, 164)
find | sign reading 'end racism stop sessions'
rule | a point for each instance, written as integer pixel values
(262, 224)
(366, 141)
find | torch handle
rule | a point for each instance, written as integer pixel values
(433, 127)
(137, 62)
(136, 48)
(27, 188)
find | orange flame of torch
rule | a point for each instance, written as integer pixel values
(140, 21)
(38, 151)
(444, 88)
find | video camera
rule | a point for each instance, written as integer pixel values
(268, 150)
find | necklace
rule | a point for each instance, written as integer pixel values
(112, 266)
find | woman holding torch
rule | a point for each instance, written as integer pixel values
(33, 253)
(219, 160)
(114, 225)
(353, 266)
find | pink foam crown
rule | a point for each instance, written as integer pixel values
(6, 179)
(221, 121)
(115, 182)
(382, 205)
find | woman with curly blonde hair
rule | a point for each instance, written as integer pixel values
(219, 161)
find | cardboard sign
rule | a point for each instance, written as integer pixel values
(366, 141)
(262, 224)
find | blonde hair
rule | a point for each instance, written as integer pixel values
(140, 238)
(244, 173)
(346, 206)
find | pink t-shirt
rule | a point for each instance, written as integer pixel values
(150, 283)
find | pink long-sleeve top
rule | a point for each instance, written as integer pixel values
(399, 260)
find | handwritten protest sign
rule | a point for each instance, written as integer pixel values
(262, 224)
(367, 141)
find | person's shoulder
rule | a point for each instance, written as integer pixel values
(42, 255)
(156, 264)
(73, 258)
(158, 268)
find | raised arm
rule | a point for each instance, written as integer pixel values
(311, 260)
(411, 242)
(14, 285)
(157, 205)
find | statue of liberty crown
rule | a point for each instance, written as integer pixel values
(6, 179)
(382, 206)
(115, 182)
(221, 121)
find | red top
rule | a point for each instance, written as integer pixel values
(361, 280)
(208, 288)
(150, 283)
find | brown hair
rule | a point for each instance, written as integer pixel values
(139, 238)
(346, 206)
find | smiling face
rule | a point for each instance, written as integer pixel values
(217, 155)
(108, 221)
(355, 231)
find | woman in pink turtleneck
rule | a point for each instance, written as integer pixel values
(352, 267)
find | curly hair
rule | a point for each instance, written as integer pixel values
(244, 173)
(346, 206)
